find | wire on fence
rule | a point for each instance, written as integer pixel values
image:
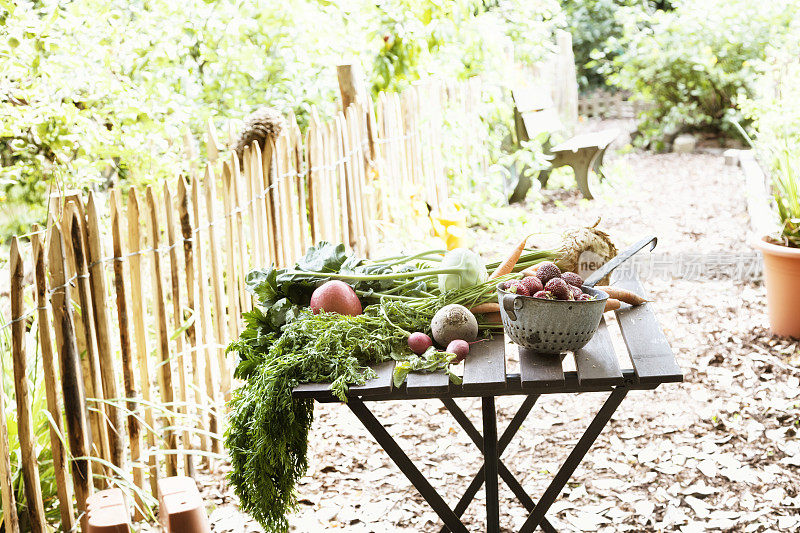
(51, 292)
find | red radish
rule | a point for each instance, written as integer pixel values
(335, 297)
(460, 348)
(419, 342)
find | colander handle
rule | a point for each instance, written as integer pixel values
(623, 256)
(511, 304)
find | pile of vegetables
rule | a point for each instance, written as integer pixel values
(325, 320)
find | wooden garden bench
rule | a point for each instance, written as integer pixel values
(648, 363)
(534, 114)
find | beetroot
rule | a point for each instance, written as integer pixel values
(335, 297)
(419, 342)
(460, 348)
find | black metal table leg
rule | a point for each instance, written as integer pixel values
(502, 443)
(490, 461)
(406, 465)
(508, 434)
(574, 459)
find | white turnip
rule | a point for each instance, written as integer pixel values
(453, 322)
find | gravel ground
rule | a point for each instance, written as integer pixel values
(717, 452)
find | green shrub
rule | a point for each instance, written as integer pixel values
(94, 91)
(596, 27)
(456, 39)
(696, 63)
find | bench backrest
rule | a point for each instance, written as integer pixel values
(534, 112)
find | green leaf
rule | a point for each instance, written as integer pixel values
(323, 257)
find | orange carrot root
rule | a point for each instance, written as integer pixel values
(492, 318)
(622, 295)
(490, 307)
(612, 305)
(508, 265)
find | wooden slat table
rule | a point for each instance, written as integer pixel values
(597, 369)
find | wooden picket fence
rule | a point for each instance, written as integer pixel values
(136, 293)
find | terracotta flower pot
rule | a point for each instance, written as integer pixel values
(782, 277)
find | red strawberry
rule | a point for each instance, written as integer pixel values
(518, 288)
(572, 278)
(547, 271)
(533, 284)
(559, 288)
(544, 295)
(576, 291)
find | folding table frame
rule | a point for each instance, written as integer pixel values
(485, 376)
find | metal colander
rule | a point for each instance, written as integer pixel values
(550, 326)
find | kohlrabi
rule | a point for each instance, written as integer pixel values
(468, 270)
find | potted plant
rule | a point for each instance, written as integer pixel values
(782, 251)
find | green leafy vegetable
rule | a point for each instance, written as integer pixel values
(430, 361)
(268, 432)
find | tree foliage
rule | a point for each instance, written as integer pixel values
(596, 27)
(697, 63)
(94, 91)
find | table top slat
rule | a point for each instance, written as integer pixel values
(428, 382)
(597, 362)
(311, 390)
(538, 370)
(651, 355)
(379, 385)
(485, 366)
(376, 386)
(597, 365)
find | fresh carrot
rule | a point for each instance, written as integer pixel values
(493, 318)
(612, 304)
(490, 307)
(530, 271)
(623, 295)
(508, 265)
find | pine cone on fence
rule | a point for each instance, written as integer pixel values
(263, 123)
